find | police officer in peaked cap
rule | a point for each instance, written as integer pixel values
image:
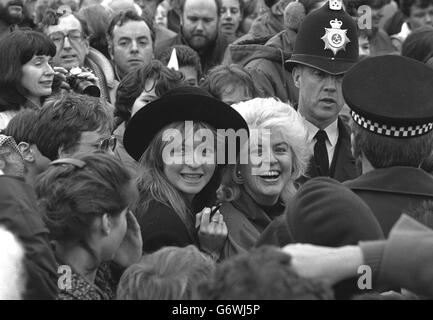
(391, 99)
(326, 48)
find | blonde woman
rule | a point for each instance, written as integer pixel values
(176, 195)
(256, 191)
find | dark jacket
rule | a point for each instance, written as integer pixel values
(163, 34)
(245, 221)
(266, 25)
(265, 63)
(212, 57)
(173, 20)
(263, 28)
(389, 192)
(19, 214)
(161, 226)
(343, 165)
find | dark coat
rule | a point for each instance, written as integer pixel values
(265, 63)
(19, 214)
(266, 25)
(245, 221)
(390, 191)
(161, 226)
(343, 165)
(212, 57)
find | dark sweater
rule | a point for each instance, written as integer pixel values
(161, 226)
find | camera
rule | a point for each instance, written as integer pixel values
(82, 85)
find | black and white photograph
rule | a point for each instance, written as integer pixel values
(216, 154)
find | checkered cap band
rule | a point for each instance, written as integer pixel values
(392, 131)
(9, 142)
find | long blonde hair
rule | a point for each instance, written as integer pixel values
(153, 184)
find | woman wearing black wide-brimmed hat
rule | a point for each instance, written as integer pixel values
(179, 176)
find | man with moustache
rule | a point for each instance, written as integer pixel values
(199, 30)
(11, 14)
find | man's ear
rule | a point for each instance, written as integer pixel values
(110, 48)
(296, 74)
(106, 223)
(87, 45)
(27, 151)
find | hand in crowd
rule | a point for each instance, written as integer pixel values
(131, 248)
(212, 233)
(326, 264)
(88, 76)
(62, 74)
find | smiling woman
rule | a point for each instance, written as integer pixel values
(256, 192)
(138, 88)
(178, 178)
(27, 76)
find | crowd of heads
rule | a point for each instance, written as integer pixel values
(115, 116)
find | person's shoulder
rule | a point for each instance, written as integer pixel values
(230, 211)
(81, 290)
(19, 208)
(167, 43)
(158, 213)
(157, 206)
(13, 186)
(96, 58)
(164, 33)
(161, 226)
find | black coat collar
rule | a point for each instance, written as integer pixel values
(401, 180)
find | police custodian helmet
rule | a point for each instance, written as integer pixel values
(327, 40)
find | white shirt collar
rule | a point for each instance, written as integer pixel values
(331, 131)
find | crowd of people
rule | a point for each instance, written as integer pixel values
(216, 149)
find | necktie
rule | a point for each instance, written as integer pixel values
(321, 153)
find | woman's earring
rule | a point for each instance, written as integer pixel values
(238, 178)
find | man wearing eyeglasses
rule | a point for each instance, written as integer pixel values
(72, 123)
(70, 35)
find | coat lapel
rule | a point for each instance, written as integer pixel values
(343, 165)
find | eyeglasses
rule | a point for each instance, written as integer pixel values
(108, 144)
(74, 36)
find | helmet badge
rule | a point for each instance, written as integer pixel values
(335, 38)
